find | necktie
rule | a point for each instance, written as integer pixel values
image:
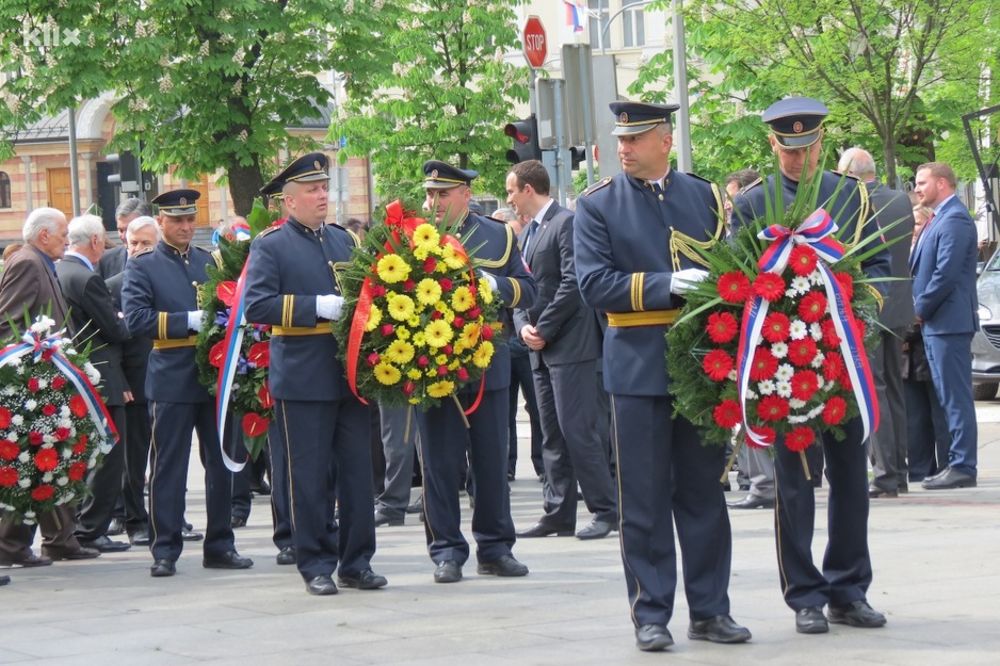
(528, 236)
(657, 189)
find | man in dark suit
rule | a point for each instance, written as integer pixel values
(113, 260)
(29, 284)
(889, 442)
(943, 265)
(563, 336)
(97, 322)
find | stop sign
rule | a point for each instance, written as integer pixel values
(533, 39)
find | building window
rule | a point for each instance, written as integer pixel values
(597, 15)
(4, 190)
(632, 24)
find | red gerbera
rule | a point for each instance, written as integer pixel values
(81, 445)
(764, 365)
(62, 433)
(58, 383)
(259, 354)
(474, 313)
(8, 450)
(776, 327)
(765, 433)
(33, 384)
(830, 337)
(846, 283)
(769, 286)
(833, 365)
(445, 284)
(800, 439)
(46, 460)
(733, 287)
(802, 260)
(772, 408)
(835, 410)
(717, 365)
(727, 414)
(48, 409)
(35, 438)
(805, 383)
(721, 327)
(8, 477)
(458, 322)
(43, 492)
(77, 471)
(802, 352)
(812, 307)
(4, 417)
(378, 291)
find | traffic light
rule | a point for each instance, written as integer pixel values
(577, 154)
(525, 136)
(125, 171)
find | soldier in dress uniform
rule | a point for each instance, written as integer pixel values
(160, 300)
(634, 234)
(324, 430)
(796, 138)
(444, 437)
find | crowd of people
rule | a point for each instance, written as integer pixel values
(588, 296)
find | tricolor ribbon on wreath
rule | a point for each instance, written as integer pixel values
(232, 344)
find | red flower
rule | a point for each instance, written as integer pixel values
(473, 289)
(727, 414)
(409, 387)
(733, 287)
(812, 307)
(255, 425)
(4, 417)
(77, 471)
(802, 260)
(805, 383)
(33, 384)
(62, 433)
(409, 285)
(800, 438)
(35, 438)
(8, 477)
(776, 326)
(43, 492)
(769, 286)
(46, 460)
(442, 370)
(717, 364)
(423, 361)
(57, 384)
(772, 408)
(260, 354)
(373, 359)
(458, 322)
(764, 365)
(217, 354)
(830, 337)
(447, 350)
(388, 329)
(846, 283)
(49, 409)
(226, 292)
(378, 291)
(436, 315)
(835, 410)
(802, 352)
(264, 397)
(81, 445)
(446, 284)
(430, 263)
(9, 450)
(474, 313)
(486, 332)
(765, 433)
(833, 365)
(462, 374)
(721, 327)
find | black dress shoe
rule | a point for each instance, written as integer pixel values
(597, 529)
(286, 555)
(811, 621)
(506, 566)
(416, 507)
(510, 476)
(321, 586)
(718, 629)
(857, 614)
(80, 553)
(653, 638)
(228, 560)
(139, 538)
(448, 571)
(876, 492)
(366, 580)
(115, 527)
(26, 559)
(540, 529)
(260, 488)
(386, 518)
(949, 479)
(4, 580)
(188, 534)
(162, 569)
(237, 522)
(105, 545)
(752, 502)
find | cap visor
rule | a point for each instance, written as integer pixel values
(631, 131)
(801, 141)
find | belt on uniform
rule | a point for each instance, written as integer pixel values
(646, 318)
(319, 329)
(176, 343)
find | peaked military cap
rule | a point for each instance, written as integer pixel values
(177, 203)
(271, 189)
(796, 121)
(305, 169)
(638, 117)
(443, 176)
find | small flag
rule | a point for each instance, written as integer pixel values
(574, 14)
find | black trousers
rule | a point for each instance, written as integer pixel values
(105, 483)
(138, 434)
(281, 510)
(521, 379)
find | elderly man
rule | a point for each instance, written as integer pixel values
(113, 261)
(97, 321)
(29, 284)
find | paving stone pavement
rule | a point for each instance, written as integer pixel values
(934, 555)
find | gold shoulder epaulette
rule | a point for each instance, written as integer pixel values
(752, 185)
(144, 252)
(701, 178)
(603, 182)
(269, 230)
(845, 175)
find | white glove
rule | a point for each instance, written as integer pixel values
(328, 306)
(194, 320)
(684, 281)
(489, 278)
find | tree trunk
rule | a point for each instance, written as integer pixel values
(244, 184)
(889, 157)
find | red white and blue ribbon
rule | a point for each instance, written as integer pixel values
(33, 343)
(815, 231)
(232, 343)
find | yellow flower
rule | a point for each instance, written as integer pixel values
(402, 333)
(428, 291)
(459, 346)
(470, 334)
(483, 354)
(421, 253)
(419, 339)
(454, 365)
(431, 372)
(414, 400)
(485, 291)
(426, 236)
(441, 389)
(400, 307)
(451, 259)
(413, 322)
(386, 374)
(441, 359)
(374, 318)
(438, 333)
(462, 299)
(391, 268)
(400, 352)
(413, 374)
(448, 316)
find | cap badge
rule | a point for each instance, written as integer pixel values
(623, 117)
(182, 201)
(316, 165)
(797, 127)
(434, 173)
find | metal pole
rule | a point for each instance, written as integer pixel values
(607, 24)
(683, 128)
(557, 128)
(587, 86)
(74, 175)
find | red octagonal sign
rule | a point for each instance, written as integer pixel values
(533, 39)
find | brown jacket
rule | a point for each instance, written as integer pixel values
(28, 285)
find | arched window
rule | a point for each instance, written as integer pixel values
(4, 190)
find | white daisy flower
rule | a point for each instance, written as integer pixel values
(17, 420)
(784, 373)
(779, 349)
(47, 477)
(24, 483)
(816, 278)
(30, 405)
(62, 481)
(751, 395)
(791, 293)
(798, 330)
(766, 387)
(24, 457)
(797, 419)
(800, 285)
(795, 403)
(784, 389)
(816, 331)
(817, 361)
(43, 383)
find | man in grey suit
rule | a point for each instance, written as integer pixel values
(113, 260)
(889, 442)
(943, 265)
(563, 336)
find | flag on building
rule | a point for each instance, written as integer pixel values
(576, 13)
